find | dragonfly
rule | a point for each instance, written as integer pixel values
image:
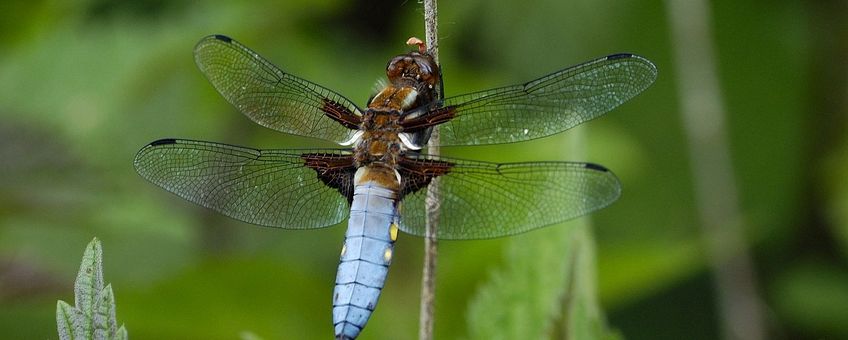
(378, 177)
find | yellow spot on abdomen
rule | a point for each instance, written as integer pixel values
(387, 255)
(393, 230)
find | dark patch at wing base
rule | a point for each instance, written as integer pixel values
(435, 116)
(341, 114)
(333, 170)
(416, 174)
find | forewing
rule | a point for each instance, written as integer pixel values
(272, 188)
(271, 97)
(484, 200)
(545, 106)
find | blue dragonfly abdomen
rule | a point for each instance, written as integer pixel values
(365, 258)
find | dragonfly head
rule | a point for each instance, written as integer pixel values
(414, 69)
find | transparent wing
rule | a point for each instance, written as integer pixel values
(271, 97)
(545, 106)
(266, 187)
(485, 200)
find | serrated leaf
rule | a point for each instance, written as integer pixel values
(105, 323)
(64, 320)
(94, 314)
(545, 290)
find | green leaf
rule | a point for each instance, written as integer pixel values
(93, 316)
(64, 320)
(89, 282)
(545, 290)
(105, 322)
(121, 334)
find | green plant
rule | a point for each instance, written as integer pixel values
(546, 289)
(93, 316)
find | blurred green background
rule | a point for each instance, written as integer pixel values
(85, 84)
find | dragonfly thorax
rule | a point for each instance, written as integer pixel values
(380, 141)
(382, 138)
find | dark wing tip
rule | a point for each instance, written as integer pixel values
(596, 167)
(619, 56)
(223, 38)
(163, 142)
(644, 62)
(636, 57)
(610, 183)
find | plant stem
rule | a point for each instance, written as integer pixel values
(428, 279)
(739, 305)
